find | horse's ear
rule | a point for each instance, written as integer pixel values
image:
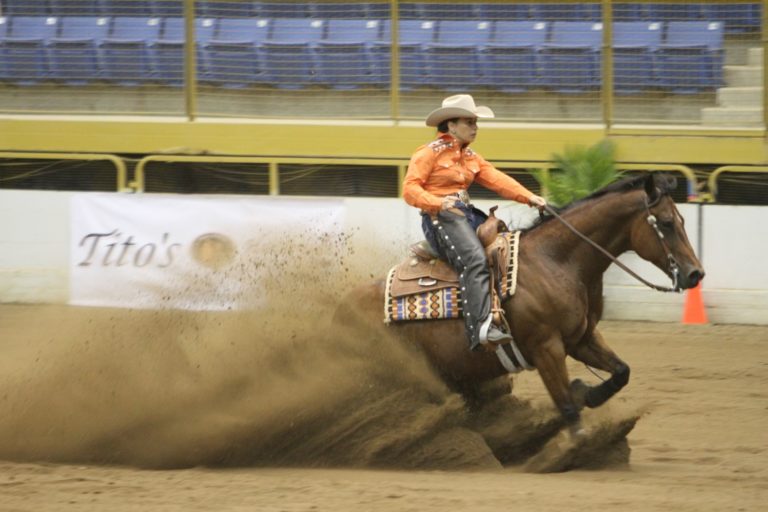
(650, 188)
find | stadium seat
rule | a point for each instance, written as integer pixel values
(336, 11)
(25, 8)
(634, 55)
(343, 57)
(77, 8)
(629, 12)
(167, 8)
(129, 8)
(24, 52)
(460, 11)
(566, 12)
(289, 53)
(674, 12)
(505, 11)
(455, 66)
(232, 57)
(214, 9)
(378, 10)
(275, 10)
(510, 60)
(737, 18)
(570, 61)
(413, 36)
(691, 58)
(3, 31)
(167, 53)
(75, 53)
(125, 52)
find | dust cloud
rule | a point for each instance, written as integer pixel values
(276, 385)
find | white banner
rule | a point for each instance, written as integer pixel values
(196, 252)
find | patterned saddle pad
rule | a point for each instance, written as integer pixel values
(429, 290)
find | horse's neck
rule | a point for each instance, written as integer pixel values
(605, 220)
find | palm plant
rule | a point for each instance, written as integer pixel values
(579, 171)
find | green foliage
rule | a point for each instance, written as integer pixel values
(579, 172)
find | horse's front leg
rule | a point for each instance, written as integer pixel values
(593, 352)
(549, 360)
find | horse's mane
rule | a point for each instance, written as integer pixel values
(664, 182)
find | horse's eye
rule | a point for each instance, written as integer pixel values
(666, 223)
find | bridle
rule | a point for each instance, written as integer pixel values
(674, 268)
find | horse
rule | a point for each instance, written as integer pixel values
(558, 301)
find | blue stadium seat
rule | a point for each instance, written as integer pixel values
(413, 36)
(125, 53)
(510, 60)
(505, 11)
(570, 61)
(738, 18)
(336, 11)
(24, 49)
(232, 57)
(130, 8)
(167, 8)
(674, 12)
(214, 9)
(460, 11)
(634, 55)
(25, 8)
(455, 66)
(411, 11)
(629, 12)
(274, 10)
(343, 57)
(167, 53)
(566, 12)
(61, 8)
(377, 10)
(289, 53)
(75, 53)
(691, 58)
(3, 31)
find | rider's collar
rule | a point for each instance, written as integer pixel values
(451, 141)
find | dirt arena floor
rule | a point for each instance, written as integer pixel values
(104, 409)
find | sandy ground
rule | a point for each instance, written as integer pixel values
(134, 410)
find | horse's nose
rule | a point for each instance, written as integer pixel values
(694, 277)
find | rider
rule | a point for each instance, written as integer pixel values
(437, 180)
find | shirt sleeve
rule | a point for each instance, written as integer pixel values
(419, 169)
(504, 185)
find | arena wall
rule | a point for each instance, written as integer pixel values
(35, 244)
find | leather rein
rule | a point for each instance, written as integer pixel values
(651, 219)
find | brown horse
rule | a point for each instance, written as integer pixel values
(559, 298)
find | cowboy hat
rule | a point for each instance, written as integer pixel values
(458, 105)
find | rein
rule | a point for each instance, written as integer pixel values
(651, 219)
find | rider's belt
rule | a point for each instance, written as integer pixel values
(461, 195)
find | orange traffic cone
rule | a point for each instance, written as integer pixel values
(694, 312)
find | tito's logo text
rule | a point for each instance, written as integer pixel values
(116, 249)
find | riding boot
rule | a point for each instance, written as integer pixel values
(466, 255)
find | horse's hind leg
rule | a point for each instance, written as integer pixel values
(593, 351)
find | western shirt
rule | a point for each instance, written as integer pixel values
(442, 167)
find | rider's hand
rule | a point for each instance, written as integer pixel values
(537, 201)
(448, 203)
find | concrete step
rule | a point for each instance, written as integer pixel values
(740, 97)
(744, 76)
(722, 116)
(755, 57)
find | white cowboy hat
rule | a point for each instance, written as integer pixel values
(458, 105)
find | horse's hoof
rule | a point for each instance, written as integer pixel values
(579, 393)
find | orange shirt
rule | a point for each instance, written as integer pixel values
(441, 168)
